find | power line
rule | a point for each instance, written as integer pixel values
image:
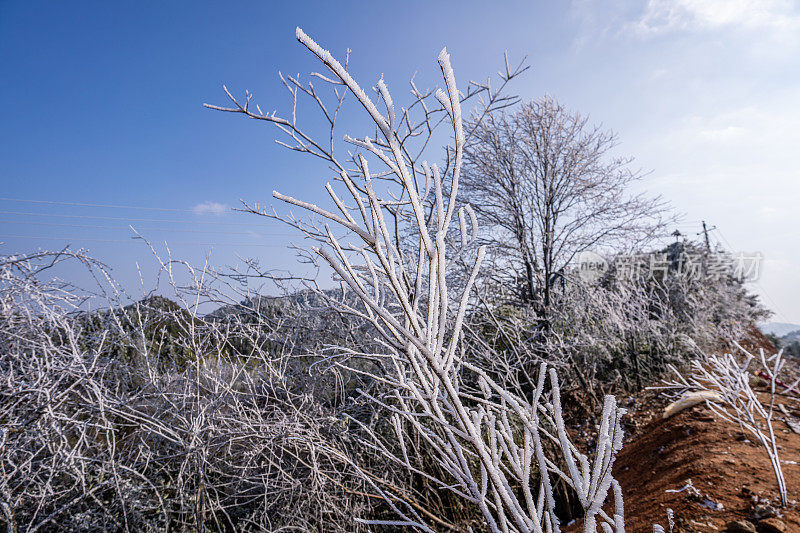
(167, 220)
(726, 241)
(81, 239)
(775, 305)
(95, 226)
(76, 204)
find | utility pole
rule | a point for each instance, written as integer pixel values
(705, 235)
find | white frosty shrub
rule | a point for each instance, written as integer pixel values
(729, 394)
(500, 451)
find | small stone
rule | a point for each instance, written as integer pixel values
(772, 525)
(793, 424)
(762, 511)
(740, 526)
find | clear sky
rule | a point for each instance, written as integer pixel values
(102, 104)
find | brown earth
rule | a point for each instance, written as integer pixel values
(725, 466)
(729, 469)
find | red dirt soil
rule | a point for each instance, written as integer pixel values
(723, 466)
(726, 466)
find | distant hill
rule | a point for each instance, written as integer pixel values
(304, 319)
(785, 337)
(779, 329)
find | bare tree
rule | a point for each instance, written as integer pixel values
(546, 187)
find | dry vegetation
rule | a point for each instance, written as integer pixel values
(435, 388)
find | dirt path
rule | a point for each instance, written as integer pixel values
(723, 465)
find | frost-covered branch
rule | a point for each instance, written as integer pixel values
(495, 448)
(733, 398)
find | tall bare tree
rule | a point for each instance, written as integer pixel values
(546, 185)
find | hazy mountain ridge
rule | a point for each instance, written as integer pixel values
(779, 329)
(784, 336)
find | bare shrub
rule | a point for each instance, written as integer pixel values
(488, 441)
(220, 439)
(734, 399)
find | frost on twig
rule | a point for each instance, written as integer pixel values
(154, 417)
(387, 237)
(724, 381)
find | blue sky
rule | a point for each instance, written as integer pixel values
(102, 104)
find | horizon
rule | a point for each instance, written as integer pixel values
(104, 124)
